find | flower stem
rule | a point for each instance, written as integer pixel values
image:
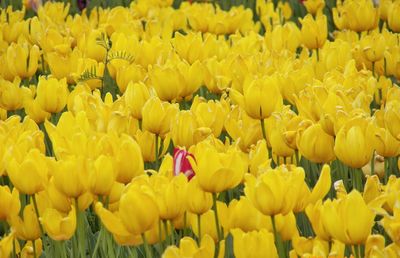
(387, 170)
(34, 249)
(146, 246)
(37, 214)
(216, 216)
(99, 238)
(156, 152)
(278, 240)
(263, 129)
(199, 229)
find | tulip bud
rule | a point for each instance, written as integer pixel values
(314, 31)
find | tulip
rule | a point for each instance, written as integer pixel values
(128, 149)
(314, 31)
(157, 116)
(63, 65)
(352, 144)
(385, 144)
(356, 15)
(314, 6)
(6, 244)
(218, 171)
(27, 250)
(9, 203)
(27, 227)
(58, 200)
(135, 96)
(337, 217)
(167, 82)
(392, 118)
(316, 145)
(102, 176)
(192, 76)
(197, 201)
(259, 159)
(21, 60)
(189, 248)
(96, 69)
(34, 111)
(373, 46)
(57, 226)
(30, 174)
(147, 142)
(89, 46)
(12, 95)
(253, 244)
(129, 74)
(185, 131)
(393, 14)
(181, 163)
(390, 223)
(52, 94)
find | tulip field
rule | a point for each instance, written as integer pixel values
(199, 129)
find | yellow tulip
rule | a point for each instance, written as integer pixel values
(384, 142)
(393, 14)
(52, 94)
(9, 203)
(243, 215)
(253, 244)
(286, 226)
(259, 159)
(135, 96)
(57, 199)
(218, 171)
(390, 223)
(260, 97)
(85, 65)
(89, 46)
(22, 60)
(169, 195)
(12, 95)
(128, 149)
(147, 143)
(129, 74)
(197, 201)
(185, 131)
(373, 46)
(167, 82)
(102, 176)
(6, 244)
(35, 111)
(356, 15)
(27, 227)
(157, 116)
(29, 174)
(27, 250)
(189, 248)
(392, 118)
(192, 77)
(338, 219)
(57, 226)
(352, 145)
(314, 31)
(314, 6)
(316, 145)
(63, 65)
(274, 191)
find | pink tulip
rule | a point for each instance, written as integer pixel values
(182, 164)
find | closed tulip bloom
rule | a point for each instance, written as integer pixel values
(63, 65)
(274, 191)
(259, 158)
(27, 227)
(129, 150)
(193, 76)
(260, 97)
(338, 218)
(12, 95)
(392, 118)
(58, 226)
(355, 15)
(384, 142)
(29, 174)
(9, 202)
(393, 16)
(35, 111)
(218, 171)
(167, 82)
(52, 94)
(197, 201)
(353, 144)
(314, 214)
(189, 248)
(373, 46)
(316, 145)
(147, 142)
(136, 217)
(6, 244)
(185, 131)
(314, 6)
(58, 200)
(314, 31)
(253, 244)
(21, 60)
(102, 176)
(129, 74)
(135, 97)
(71, 176)
(157, 116)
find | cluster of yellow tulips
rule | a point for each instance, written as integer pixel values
(267, 129)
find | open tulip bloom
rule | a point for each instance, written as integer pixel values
(199, 129)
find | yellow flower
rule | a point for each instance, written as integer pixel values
(22, 60)
(27, 227)
(63, 65)
(52, 94)
(189, 248)
(314, 31)
(356, 15)
(135, 96)
(89, 65)
(27, 250)
(314, 6)
(353, 144)
(102, 175)
(128, 149)
(89, 46)
(29, 174)
(260, 97)
(275, 191)
(12, 95)
(218, 171)
(35, 111)
(373, 46)
(197, 201)
(129, 74)
(157, 116)
(316, 145)
(391, 225)
(147, 143)
(9, 202)
(167, 82)
(253, 244)
(384, 142)
(259, 158)
(393, 15)
(392, 118)
(338, 219)
(6, 245)
(58, 226)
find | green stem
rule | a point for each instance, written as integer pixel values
(387, 169)
(356, 251)
(146, 246)
(156, 152)
(373, 163)
(199, 229)
(216, 216)
(99, 238)
(317, 50)
(373, 69)
(263, 130)
(80, 237)
(172, 233)
(278, 240)
(37, 214)
(167, 239)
